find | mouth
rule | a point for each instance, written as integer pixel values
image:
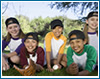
(75, 48)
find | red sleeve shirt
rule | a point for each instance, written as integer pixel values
(40, 56)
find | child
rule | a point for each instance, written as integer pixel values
(14, 40)
(54, 44)
(79, 55)
(32, 51)
(91, 30)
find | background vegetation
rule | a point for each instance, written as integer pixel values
(41, 25)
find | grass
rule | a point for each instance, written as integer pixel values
(62, 72)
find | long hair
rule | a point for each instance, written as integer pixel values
(85, 30)
(9, 21)
(8, 37)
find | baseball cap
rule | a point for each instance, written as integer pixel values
(11, 20)
(55, 23)
(92, 14)
(79, 35)
(34, 36)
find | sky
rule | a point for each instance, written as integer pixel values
(35, 9)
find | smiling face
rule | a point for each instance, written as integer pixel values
(92, 22)
(77, 44)
(57, 31)
(30, 44)
(13, 29)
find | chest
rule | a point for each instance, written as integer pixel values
(80, 60)
(13, 45)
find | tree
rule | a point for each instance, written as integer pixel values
(78, 7)
(4, 6)
(24, 22)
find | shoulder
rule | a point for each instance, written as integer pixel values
(63, 37)
(39, 49)
(89, 48)
(69, 48)
(23, 48)
(50, 34)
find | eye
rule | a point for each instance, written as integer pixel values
(71, 43)
(15, 26)
(77, 41)
(9, 27)
(92, 19)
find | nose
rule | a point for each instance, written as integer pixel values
(13, 28)
(74, 45)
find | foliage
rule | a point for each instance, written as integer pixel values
(76, 6)
(41, 25)
(3, 28)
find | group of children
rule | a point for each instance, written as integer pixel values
(81, 57)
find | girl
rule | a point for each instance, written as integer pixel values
(32, 51)
(14, 40)
(54, 46)
(91, 30)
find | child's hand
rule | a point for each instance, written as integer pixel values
(50, 69)
(5, 65)
(73, 69)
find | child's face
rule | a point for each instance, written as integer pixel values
(57, 31)
(30, 44)
(77, 44)
(13, 29)
(92, 22)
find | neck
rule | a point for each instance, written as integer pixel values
(91, 30)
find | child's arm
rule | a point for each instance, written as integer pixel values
(72, 69)
(84, 73)
(23, 59)
(91, 58)
(48, 55)
(59, 59)
(40, 56)
(10, 54)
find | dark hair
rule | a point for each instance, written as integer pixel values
(55, 23)
(11, 20)
(79, 34)
(93, 13)
(33, 34)
(35, 37)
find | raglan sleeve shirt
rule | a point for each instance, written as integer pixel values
(69, 56)
(23, 59)
(19, 47)
(48, 38)
(40, 56)
(61, 51)
(4, 44)
(91, 58)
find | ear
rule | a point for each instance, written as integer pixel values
(86, 21)
(85, 41)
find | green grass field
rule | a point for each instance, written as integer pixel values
(62, 72)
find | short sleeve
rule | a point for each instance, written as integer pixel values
(40, 56)
(19, 47)
(91, 58)
(4, 44)
(69, 56)
(48, 42)
(61, 51)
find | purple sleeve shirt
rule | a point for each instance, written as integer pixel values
(19, 47)
(5, 44)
